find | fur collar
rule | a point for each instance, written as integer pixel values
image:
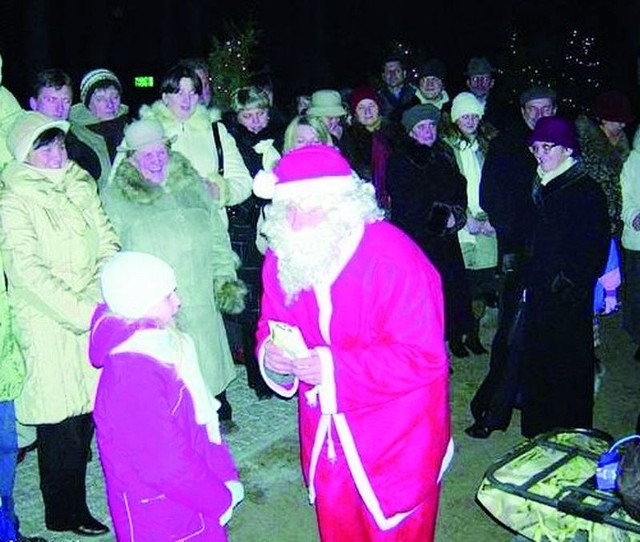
(131, 186)
(593, 141)
(159, 111)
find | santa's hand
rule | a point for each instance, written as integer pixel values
(309, 369)
(276, 360)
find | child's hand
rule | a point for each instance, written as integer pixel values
(237, 494)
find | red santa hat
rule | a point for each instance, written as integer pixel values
(312, 170)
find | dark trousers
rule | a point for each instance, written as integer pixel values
(493, 403)
(63, 453)
(254, 378)
(631, 303)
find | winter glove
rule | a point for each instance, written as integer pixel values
(237, 494)
(510, 262)
(230, 295)
(610, 302)
(218, 188)
(445, 219)
(438, 218)
(566, 290)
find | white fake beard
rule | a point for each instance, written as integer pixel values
(306, 256)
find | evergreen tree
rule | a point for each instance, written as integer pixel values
(230, 61)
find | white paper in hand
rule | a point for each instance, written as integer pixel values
(288, 338)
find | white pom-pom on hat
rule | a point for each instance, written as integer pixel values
(313, 170)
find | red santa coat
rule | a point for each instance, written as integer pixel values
(378, 328)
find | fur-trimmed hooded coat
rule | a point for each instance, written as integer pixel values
(179, 222)
(603, 162)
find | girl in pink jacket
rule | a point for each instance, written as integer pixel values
(168, 474)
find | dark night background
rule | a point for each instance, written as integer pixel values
(308, 44)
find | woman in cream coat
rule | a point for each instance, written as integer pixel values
(54, 236)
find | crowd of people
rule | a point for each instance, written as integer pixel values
(343, 252)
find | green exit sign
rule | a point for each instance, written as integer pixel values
(143, 81)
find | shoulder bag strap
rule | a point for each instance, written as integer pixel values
(216, 139)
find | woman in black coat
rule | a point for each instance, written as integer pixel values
(429, 201)
(569, 250)
(259, 140)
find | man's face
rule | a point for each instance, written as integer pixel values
(480, 84)
(105, 103)
(300, 217)
(367, 112)
(431, 87)
(534, 110)
(393, 74)
(306, 235)
(54, 103)
(612, 129)
(425, 132)
(182, 103)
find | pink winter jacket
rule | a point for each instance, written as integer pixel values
(165, 480)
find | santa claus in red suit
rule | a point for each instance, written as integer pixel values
(352, 321)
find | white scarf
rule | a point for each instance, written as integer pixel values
(171, 347)
(547, 177)
(471, 168)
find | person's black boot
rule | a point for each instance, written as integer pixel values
(254, 378)
(472, 342)
(478, 431)
(457, 348)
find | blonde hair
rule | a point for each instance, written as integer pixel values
(291, 133)
(250, 97)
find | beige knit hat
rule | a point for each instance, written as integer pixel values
(25, 130)
(141, 133)
(326, 103)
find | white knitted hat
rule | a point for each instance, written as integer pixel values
(466, 103)
(134, 282)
